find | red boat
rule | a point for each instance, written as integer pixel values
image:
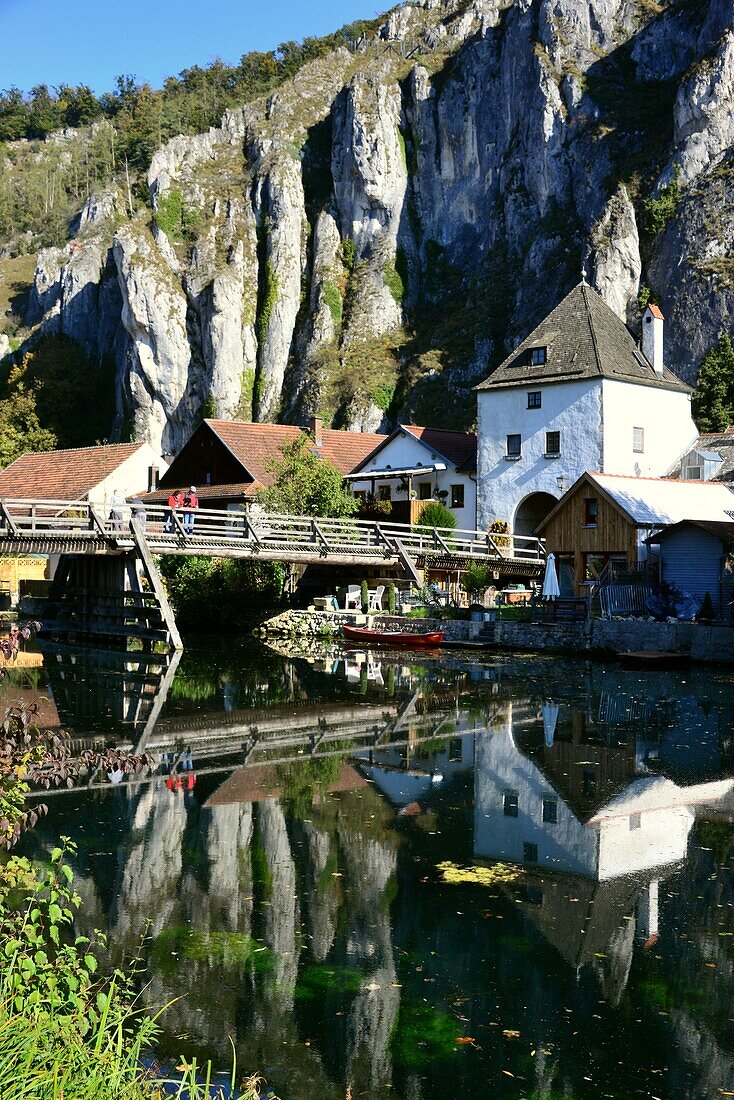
(393, 637)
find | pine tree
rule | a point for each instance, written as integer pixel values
(713, 399)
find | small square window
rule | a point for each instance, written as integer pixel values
(424, 490)
(510, 803)
(550, 811)
(457, 496)
(534, 399)
(538, 356)
(638, 440)
(552, 443)
(591, 511)
(455, 750)
(588, 782)
(514, 446)
(530, 853)
(533, 895)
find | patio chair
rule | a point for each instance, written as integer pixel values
(353, 598)
(376, 598)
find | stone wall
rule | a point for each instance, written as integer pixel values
(712, 644)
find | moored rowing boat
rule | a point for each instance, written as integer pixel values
(393, 637)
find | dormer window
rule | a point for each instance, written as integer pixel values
(538, 356)
(700, 465)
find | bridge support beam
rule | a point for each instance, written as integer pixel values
(111, 600)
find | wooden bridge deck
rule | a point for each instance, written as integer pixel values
(80, 528)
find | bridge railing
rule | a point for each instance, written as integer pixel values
(212, 528)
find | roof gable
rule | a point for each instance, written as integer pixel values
(457, 448)
(584, 340)
(256, 446)
(64, 475)
(654, 502)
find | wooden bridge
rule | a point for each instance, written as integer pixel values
(99, 590)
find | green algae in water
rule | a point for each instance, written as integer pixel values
(422, 1034)
(315, 982)
(230, 950)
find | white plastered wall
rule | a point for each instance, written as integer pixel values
(130, 477)
(572, 408)
(664, 416)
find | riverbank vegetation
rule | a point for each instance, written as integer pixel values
(219, 593)
(68, 1032)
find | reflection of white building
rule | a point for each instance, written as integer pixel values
(415, 465)
(521, 816)
(409, 773)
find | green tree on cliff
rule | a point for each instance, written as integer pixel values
(713, 398)
(305, 484)
(20, 429)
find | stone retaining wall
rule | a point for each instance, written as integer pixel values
(713, 644)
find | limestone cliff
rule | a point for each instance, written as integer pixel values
(372, 237)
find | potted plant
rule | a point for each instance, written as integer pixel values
(475, 581)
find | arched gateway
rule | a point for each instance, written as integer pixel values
(531, 511)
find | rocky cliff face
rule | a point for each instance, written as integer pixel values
(374, 236)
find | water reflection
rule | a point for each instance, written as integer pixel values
(290, 899)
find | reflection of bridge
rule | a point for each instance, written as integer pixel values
(98, 586)
(283, 733)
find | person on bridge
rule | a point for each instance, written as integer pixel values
(190, 503)
(175, 500)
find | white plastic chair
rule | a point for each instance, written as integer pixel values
(376, 598)
(353, 598)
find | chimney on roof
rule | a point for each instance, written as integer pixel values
(152, 478)
(315, 427)
(652, 337)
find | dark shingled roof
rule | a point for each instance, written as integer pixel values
(584, 339)
(720, 442)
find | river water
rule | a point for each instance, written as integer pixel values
(433, 877)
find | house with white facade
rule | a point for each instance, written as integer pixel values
(577, 394)
(415, 465)
(84, 473)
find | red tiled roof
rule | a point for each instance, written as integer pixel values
(63, 475)
(459, 447)
(261, 783)
(655, 310)
(234, 491)
(257, 445)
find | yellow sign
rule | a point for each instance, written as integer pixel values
(32, 567)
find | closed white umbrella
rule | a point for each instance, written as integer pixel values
(550, 718)
(550, 580)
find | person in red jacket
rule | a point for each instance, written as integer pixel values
(175, 500)
(190, 503)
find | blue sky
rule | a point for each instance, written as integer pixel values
(86, 42)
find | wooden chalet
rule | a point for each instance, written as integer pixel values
(230, 460)
(600, 526)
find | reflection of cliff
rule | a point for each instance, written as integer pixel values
(252, 913)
